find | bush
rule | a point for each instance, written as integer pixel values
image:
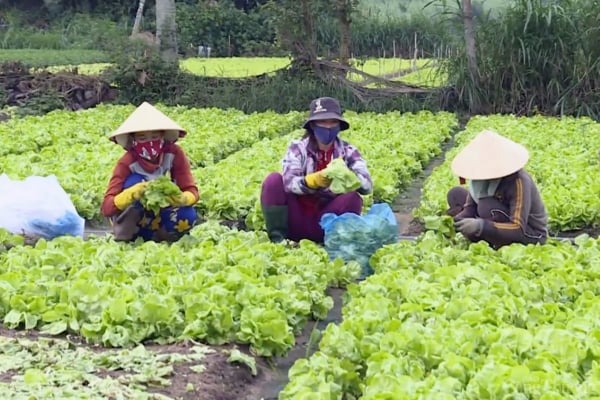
(537, 56)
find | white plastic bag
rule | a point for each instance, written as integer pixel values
(38, 206)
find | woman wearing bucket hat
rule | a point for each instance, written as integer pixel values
(149, 137)
(502, 205)
(293, 202)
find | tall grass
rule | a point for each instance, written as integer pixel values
(42, 58)
(537, 57)
(79, 31)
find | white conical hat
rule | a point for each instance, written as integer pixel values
(147, 118)
(489, 156)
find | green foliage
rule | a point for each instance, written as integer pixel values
(563, 163)
(343, 180)
(77, 31)
(45, 57)
(215, 285)
(158, 193)
(141, 75)
(46, 368)
(226, 29)
(446, 320)
(9, 240)
(42, 102)
(538, 56)
(386, 37)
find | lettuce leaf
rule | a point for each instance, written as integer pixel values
(343, 180)
(158, 192)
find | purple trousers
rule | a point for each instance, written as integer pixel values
(300, 224)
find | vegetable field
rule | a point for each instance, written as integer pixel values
(442, 320)
(420, 71)
(208, 316)
(563, 162)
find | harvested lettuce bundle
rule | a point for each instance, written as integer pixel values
(158, 192)
(353, 237)
(343, 180)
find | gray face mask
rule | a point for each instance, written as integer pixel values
(480, 189)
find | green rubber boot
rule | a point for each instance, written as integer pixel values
(276, 220)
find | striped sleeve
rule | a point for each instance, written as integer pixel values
(294, 170)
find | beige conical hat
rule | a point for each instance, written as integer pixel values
(489, 156)
(147, 118)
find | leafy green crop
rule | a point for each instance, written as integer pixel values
(158, 192)
(563, 162)
(343, 180)
(55, 369)
(444, 319)
(8, 240)
(215, 284)
(389, 143)
(75, 148)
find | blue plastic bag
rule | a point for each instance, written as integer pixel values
(355, 237)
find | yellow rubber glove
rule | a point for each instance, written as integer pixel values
(184, 199)
(317, 180)
(129, 195)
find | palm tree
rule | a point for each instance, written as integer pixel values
(138, 17)
(166, 30)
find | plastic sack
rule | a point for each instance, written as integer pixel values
(39, 207)
(355, 237)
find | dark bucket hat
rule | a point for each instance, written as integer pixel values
(326, 108)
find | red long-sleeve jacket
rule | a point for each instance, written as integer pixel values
(173, 160)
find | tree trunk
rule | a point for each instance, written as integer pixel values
(467, 12)
(344, 9)
(308, 49)
(138, 17)
(166, 30)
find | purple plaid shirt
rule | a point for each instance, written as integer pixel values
(301, 159)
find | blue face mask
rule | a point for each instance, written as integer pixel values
(326, 135)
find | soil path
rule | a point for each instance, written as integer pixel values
(409, 198)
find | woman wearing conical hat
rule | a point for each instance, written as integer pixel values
(502, 204)
(149, 137)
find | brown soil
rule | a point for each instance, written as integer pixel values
(409, 199)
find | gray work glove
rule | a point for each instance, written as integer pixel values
(470, 226)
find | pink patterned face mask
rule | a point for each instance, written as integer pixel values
(150, 149)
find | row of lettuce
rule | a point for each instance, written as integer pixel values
(440, 319)
(216, 285)
(446, 320)
(231, 153)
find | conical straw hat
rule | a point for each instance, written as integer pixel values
(147, 118)
(489, 156)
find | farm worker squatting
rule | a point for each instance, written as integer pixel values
(293, 202)
(503, 204)
(149, 137)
